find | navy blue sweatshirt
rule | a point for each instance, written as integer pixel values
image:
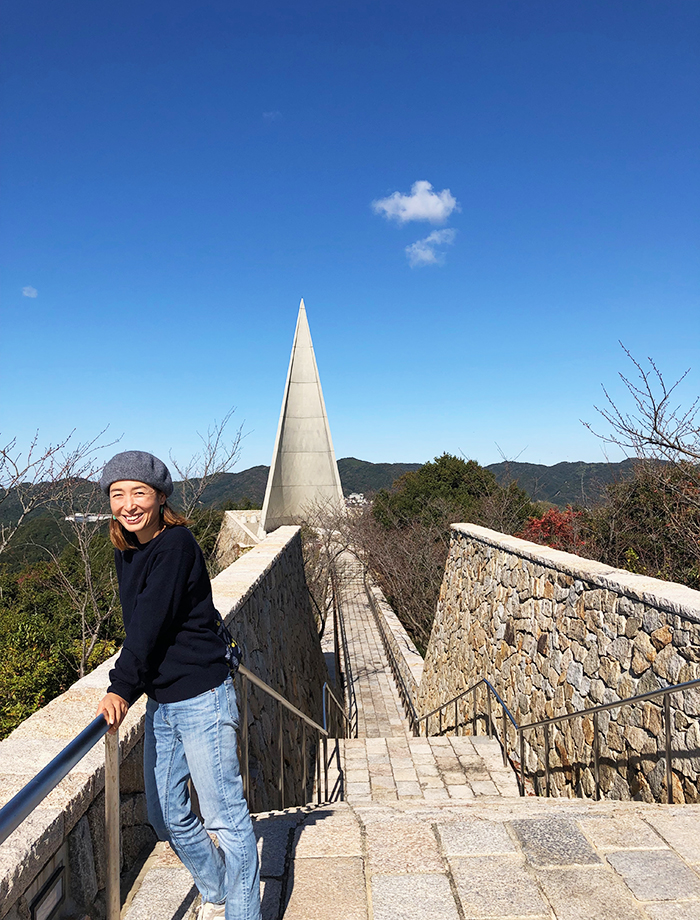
(172, 651)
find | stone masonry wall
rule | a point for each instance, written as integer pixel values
(556, 633)
(401, 648)
(266, 604)
(264, 598)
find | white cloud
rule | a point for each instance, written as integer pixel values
(271, 116)
(423, 252)
(422, 204)
(29, 291)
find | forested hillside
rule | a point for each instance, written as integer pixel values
(564, 484)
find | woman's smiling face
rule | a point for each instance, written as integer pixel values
(137, 508)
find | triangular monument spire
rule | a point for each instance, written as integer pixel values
(303, 469)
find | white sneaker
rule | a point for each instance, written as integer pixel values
(210, 911)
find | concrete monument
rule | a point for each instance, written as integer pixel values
(303, 470)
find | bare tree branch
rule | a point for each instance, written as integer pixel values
(218, 455)
(35, 478)
(656, 428)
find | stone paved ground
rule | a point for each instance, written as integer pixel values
(498, 857)
(380, 713)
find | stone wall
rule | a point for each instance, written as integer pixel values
(264, 598)
(556, 633)
(400, 648)
(266, 604)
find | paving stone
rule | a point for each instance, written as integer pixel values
(165, 893)
(587, 893)
(625, 832)
(327, 889)
(270, 898)
(396, 846)
(496, 886)
(407, 788)
(272, 834)
(380, 769)
(335, 835)
(383, 782)
(405, 775)
(673, 910)
(473, 837)
(681, 830)
(454, 778)
(656, 875)
(460, 792)
(352, 789)
(415, 897)
(483, 787)
(431, 782)
(427, 769)
(553, 842)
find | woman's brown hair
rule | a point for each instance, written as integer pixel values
(122, 539)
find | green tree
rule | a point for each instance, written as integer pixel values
(405, 538)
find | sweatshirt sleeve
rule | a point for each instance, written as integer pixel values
(157, 603)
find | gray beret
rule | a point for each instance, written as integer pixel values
(138, 466)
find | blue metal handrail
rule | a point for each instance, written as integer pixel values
(23, 804)
(35, 791)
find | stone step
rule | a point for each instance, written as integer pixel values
(488, 856)
(437, 770)
(163, 889)
(506, 857)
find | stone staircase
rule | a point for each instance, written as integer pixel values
(434, 829)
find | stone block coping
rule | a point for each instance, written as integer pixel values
(669, 596)
(410, 660)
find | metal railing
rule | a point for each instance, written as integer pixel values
(321, 740)
(30, 796)
(346, 673)
(490, 689)
(545, 724)
(406, 697)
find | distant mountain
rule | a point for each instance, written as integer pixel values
(355, 476)
(563, 484)
(363, 476)
(248, 486)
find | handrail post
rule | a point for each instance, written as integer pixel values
(521, 733)
(325, 766)
(669, 772)
(112, 824)
(505, 738)
(475, 724)
(440, 722)
(245, 744)
(456, 720)
(489, 730)
(546, 759)
(318, 769)
(596, 755)
(281, 756)
(303, 757)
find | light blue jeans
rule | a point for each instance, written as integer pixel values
(197, 738)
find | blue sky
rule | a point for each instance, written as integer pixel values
(175, 176)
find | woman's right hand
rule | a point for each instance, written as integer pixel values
(114, 709)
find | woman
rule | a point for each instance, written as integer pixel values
(173, 653)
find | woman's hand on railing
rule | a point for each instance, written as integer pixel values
(114, 709)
